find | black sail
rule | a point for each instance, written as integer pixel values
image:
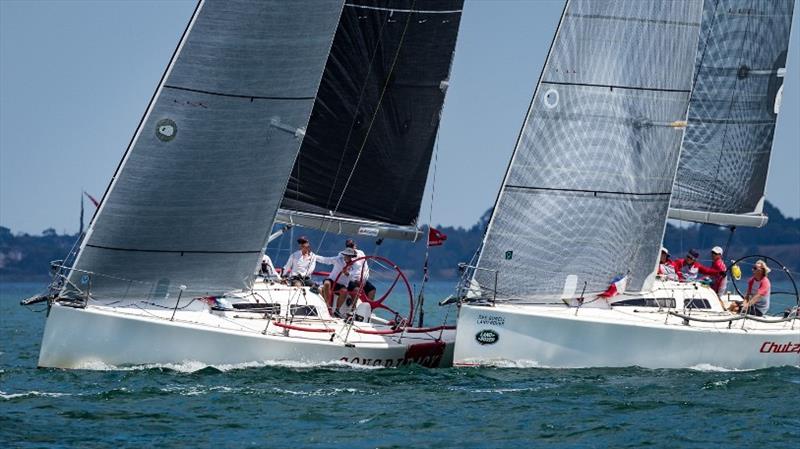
(369, 141)
(740, 68)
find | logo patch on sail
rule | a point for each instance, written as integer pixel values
(166, 130)
(487, 337)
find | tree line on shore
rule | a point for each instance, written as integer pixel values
(25, 257)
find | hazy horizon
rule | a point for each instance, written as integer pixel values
(76, 76)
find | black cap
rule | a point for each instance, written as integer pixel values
(302, 239)
(350, 243)
(693, 254)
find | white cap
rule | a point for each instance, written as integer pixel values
(665, 250)
(716, 250)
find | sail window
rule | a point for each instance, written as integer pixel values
(303, 310)
(696, 303)
(647, 302)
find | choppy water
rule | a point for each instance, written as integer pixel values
(287, 405)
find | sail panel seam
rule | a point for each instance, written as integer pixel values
(416, 11)
(611, 86)
(138, 250)
(595, 192)
(249, 97)
(634, 19)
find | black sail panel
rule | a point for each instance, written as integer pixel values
(740, 68)
(369, 141)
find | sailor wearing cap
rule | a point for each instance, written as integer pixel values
(301, 264)
(717, 272)
(342, 273)
(359, 271)
(666, 267)
(687, 268)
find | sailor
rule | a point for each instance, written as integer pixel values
(756, 300)
(716, 272)
(359, 272)
(687, 268)
(666, 267)
(301, 265)
(267, 269)
(340, 273)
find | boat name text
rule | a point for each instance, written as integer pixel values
(788, 348)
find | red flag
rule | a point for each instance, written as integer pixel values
(436, 237)
(91, 198)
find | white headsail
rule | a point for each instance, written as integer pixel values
(586, 194)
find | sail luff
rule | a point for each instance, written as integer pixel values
(140, 125)
(521, 132)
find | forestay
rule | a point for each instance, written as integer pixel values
(587, 190)
(365, 157)
(194, 197)
(740, 63)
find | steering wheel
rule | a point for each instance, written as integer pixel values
(380, 302)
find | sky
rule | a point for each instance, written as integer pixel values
(76, 76)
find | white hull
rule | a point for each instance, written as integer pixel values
(565, 337)
(104, 335)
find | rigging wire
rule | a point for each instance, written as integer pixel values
(372, 119)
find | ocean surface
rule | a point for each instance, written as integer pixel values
(285, 405)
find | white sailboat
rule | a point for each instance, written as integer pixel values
(258, 94)
(587, 193)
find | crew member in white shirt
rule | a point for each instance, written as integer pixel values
(267, 269)
(359, 271)
(301, 265)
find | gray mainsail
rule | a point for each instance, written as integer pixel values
(739, 75)
(193, 199)
(365, 157)
(587, 190)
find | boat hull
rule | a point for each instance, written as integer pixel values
(552, 336)
(85, 338)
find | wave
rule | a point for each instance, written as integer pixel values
(46, 394)
(193, 366)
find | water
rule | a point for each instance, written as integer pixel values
(260, 405)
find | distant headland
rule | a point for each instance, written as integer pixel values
(25, 258)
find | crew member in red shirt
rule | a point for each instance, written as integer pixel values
(687, 268)
(717, 272)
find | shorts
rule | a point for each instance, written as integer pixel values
(753, 311)
(352, 286)
(305, 280)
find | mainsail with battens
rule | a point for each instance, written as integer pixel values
(586, 193)
(740, 68)
(193, 199)
(366, 153)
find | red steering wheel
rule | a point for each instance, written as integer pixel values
(379, 303)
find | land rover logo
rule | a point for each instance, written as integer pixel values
(166, 130)
(487, 337)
